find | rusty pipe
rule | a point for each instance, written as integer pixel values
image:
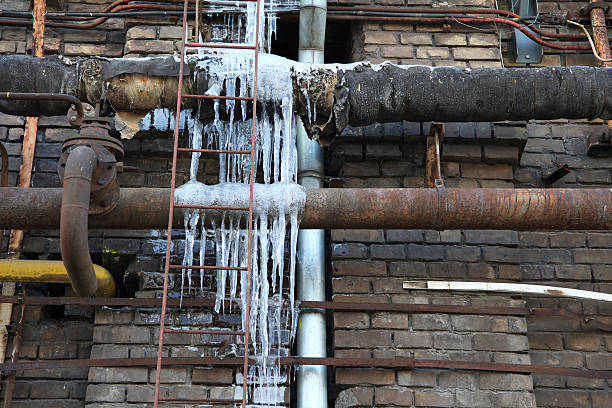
(600, 34)
(4, 177)
(46, 96)
(73, 220)
(401, 208)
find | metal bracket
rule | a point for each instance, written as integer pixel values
(526, 50)
(433, 172)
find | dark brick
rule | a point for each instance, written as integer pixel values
(404, 235)
(599, 240)
(364, 376)
(388, 251)
(573, 272)
(500, 254)
(425, 252)
(545, 255)
(567, 239)
(561, 398)
(360, 268)
(382, 151)
(408, 269)
(491, 237)
(501, 154)
(461, 152)
(349, 250)
(463, 253)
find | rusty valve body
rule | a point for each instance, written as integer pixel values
(95, 133)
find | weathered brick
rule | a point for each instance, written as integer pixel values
(450, 39)
(431, 321)
(49, 389)
(170, 32)
(485, 171)
(351, 284)
(463, 253)
(474, 53)
(409, 339)
(599, 361)
(353, 397)
(561, 398)
(390, 321)
(397, 51)
(583, 341)
(404, 235)
(118, 375)
(359, 268)
(362, 338)
(141, 33)
(107, 50)
(599, 240)
(425, 252)
(482, 40)
(149, 46)
(500, 342)
(452, 341)
(217, 375)
(362, 169)
(452, 380)
(364, 376)
(434, 399)
(379, 37)
(416, 378)
(471, 323)
(388, 251)
(433, 53)
(505, 382)
(501, 254)
(416, 38)
(121, 334)
(352, 320)
(545, 341)
(394, 396)
(382, 151)
(596, 256)
(461, 152)
(573, 272)
(105, 393)
(501, 154)
(349, 250)
(544, 146)
(567, 239)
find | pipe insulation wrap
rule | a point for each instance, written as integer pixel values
(370, 94)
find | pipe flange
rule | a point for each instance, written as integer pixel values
(104, 194)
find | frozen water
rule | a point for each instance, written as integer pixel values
(277, 203)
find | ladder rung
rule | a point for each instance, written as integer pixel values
(225, 268)
(221, 332)
(218, 151)
(231, 98)
(206, 400)
(211, 207)
(220, 45)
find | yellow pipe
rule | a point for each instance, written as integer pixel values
(23, 270)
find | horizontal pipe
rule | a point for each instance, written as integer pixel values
(38, 271)
(397, 362)
(402, 208)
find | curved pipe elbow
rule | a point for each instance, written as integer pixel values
(73, 223)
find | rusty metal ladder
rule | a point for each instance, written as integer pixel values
(168, 265)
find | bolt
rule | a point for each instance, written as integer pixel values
(72, 118)
(527, 57)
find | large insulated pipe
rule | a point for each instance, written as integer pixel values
(310, 278)
(80, 165)
(523, 209)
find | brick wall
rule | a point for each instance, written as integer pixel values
(364, 265)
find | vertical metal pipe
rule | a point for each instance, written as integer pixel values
(311, 334)
(25, 178)
(600, 35)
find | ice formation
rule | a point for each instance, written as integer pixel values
(278, 202)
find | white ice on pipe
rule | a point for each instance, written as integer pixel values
(277, 203)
